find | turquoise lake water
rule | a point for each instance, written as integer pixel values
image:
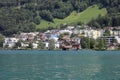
(59, 65)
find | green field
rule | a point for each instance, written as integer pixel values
(91, 12)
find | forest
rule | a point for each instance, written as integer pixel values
(24, 15)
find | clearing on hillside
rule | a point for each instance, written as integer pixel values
(91, 12)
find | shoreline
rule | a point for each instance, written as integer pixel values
(56, 50)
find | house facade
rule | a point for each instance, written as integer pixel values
(10, 42)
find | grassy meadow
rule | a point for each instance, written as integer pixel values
(91, 12)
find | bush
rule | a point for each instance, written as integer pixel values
(37, 20)
(45, 14)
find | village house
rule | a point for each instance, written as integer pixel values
(28, 36)
(76, 39)
(10, 42)
(46, 44)
(41, 37)
(24, 44)
(109, 40)
(54, 37)
(118, 39)
(89, 33)
(65, 31)
(57, 45)
(70, 27)
(66, 39)
(35, 45)
(115, 32)
(75, 42)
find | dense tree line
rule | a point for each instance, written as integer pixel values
(14, 20)
(24, 15)
(89, 43)
(106, 21)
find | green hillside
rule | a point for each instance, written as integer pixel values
(91, 12)
(38, 15)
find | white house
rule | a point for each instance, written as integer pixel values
(25, 36)
(89, 33)
(46, 44)
(54, 37)
(35, 45)
(118, 39)
(57, 45)
(70, 27)
(24, 44)
(10, 42)
(64, 31)
(115, 33)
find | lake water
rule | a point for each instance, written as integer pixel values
(59, 65)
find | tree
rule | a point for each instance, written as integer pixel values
(27, 27)
(1, 40)
(66, 33)
(64, 0)
(14, 20)
(30, 45)
(18, 44)
(51, 44)
(80, 23)
(74, 35)
(41, 45)
(106, 33)
(101, 44)
(119, 46)
(31, 26)
(92, 43)
(61, 36)
(45, 14)
(37, 20)
(114, 41)
(85, 43)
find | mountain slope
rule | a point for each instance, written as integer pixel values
(91, 12)
(30, 15)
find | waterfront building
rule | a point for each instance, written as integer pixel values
(24, 44)
(118, 39)
(10, 42)
(89, 33)
(109, 40)
(35, 45)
